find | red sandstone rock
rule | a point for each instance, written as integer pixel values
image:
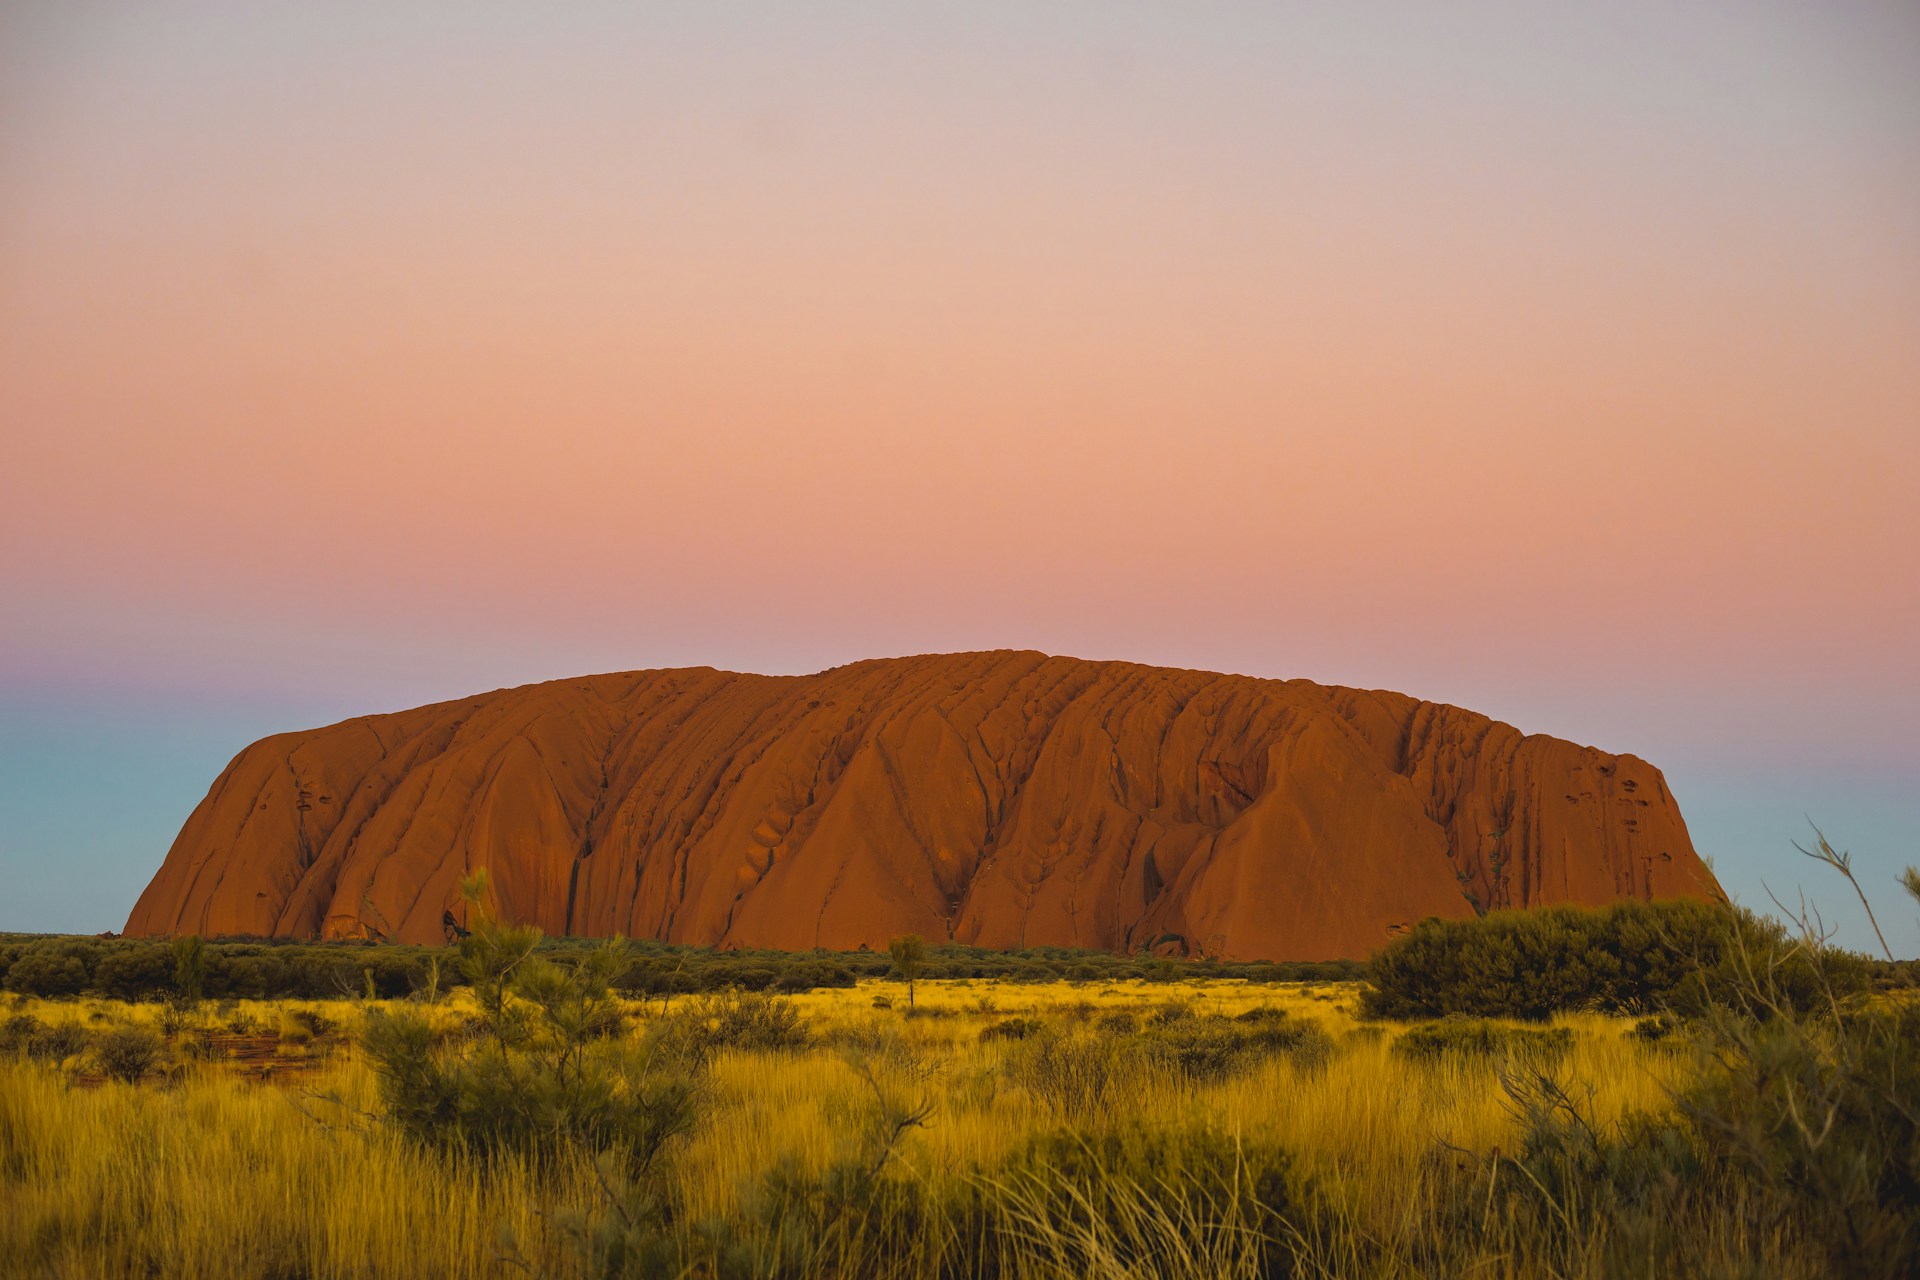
(1002, 799)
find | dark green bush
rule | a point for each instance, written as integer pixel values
(279, 968)
(934, 1011)
(57, 1042)
(1264, 1013)
(543, 1070)
(1201, 1050)
(1011, 1029)
(135, 971)
(1458, 1036)
(1579, 1198)
(1208, 1048)
(1631, 957)
(1168, 1014)
(811, 975)
(1794, 1151)
(54, 967)
(1793, 1148)
(1306, 1043)
(1074, 1076)
(19, 1031)
(1661, 1028)
(199, 1045)
(1820, 1118)
(698, 1027)
(128, 1052)
(252, 977)
(643, 977)
(534, 1102)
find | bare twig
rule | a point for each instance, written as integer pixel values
(1843, 863)
(893, 1121)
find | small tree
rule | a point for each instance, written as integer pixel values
(488, 958)
(909, 953)
(548, 1066)
(190, 967)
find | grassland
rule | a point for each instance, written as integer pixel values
(256, 1146)
(1641, 1090)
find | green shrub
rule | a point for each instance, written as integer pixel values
(534, 1102)
(1017, 1028)
(1631, 957)
(1209, 1048)
(1458, 1036)
(56, 1042)
(1306, 1043)
(254, 977)
(1819, 1116)
(1169, 1013)
(175, 1017)
(1201, 1050)
(1661, 1028)
(934, 1011)
(698, 1027)
(1576, 1197)
(128, 1052)
(1795, 1150)
(54, 967)
(543, 1070)
(1264, 1013)
(199, 1045)
(134, 971)
(279, 968)
(19, 1032)
(1075, 1075)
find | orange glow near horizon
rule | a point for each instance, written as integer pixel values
(1428, 352)
(1560, 362)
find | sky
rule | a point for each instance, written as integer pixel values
(1558, 361)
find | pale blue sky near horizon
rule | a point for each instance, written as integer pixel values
(93, 788)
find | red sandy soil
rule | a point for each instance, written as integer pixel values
(257, 1057)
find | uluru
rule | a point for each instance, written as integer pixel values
(1003, 799)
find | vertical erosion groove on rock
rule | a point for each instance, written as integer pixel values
(1001, 799)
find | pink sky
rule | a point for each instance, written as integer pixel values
(1568, 368)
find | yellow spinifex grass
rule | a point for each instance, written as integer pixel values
(204, 1174)
(215, 1178)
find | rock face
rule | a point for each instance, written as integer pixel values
(1001, 799)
